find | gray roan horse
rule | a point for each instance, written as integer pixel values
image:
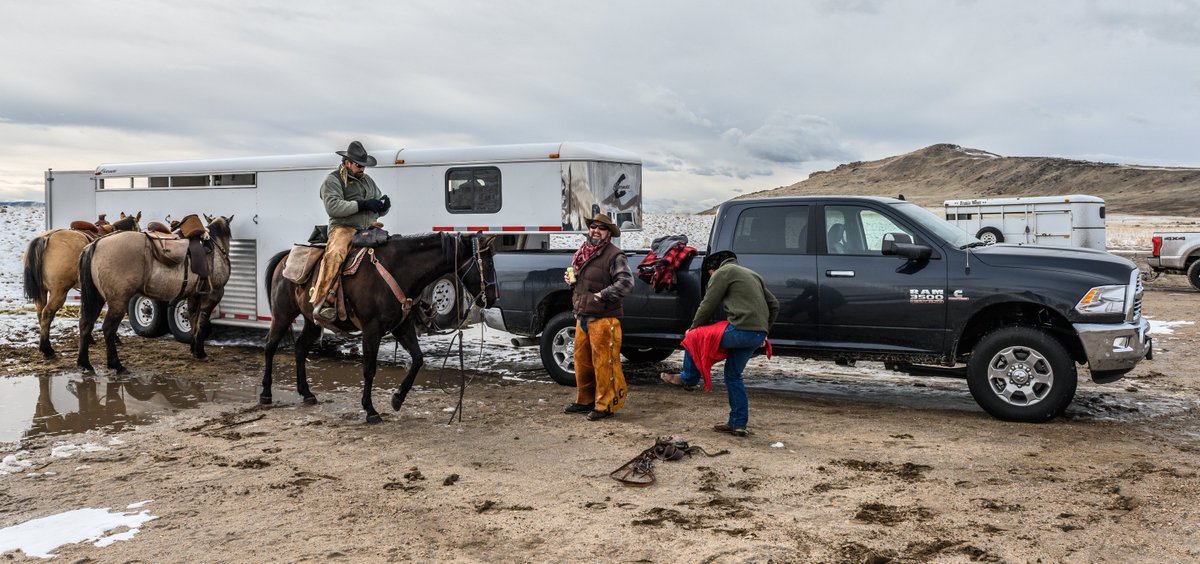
(116, 267)
(413, 262)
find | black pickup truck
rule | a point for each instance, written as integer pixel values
(865, 278)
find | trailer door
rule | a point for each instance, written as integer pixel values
(70, 195)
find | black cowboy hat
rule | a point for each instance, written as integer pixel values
(358, 155)
(716, 259)
(602, 218)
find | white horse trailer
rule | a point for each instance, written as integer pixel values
(1061, 221)
(521, 192)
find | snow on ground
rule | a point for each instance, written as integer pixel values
(38, 537)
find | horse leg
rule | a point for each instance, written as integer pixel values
(308, 336)
(45, 316)
(279, 329)
(406, 335)
(87, 320)
(371, 337)
(112, 321)
(199, 311)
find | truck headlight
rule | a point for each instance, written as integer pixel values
(1103, 299)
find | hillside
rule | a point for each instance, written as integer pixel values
(941, 172)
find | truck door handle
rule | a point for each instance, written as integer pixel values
(839, 273)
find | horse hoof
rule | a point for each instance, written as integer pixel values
(48, 355)
(264, 400)
(310, 400)
(86, 367)
(203, 358)
(374, 419)
(397, 402)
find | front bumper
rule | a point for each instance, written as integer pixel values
(1114, 347)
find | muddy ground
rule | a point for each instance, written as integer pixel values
(853, 471)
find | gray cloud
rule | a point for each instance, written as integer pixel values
(789, 138)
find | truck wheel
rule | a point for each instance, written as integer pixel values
(178, 322)
(990, 235)
(635, 354)
(1194, 274)
(1021, 374)
(147, 316)
(558, 348)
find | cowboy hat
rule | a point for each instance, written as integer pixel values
(357, 154)
(602, 218)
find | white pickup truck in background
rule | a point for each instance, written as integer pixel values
(1176, 253)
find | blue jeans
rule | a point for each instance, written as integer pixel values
(740, 346)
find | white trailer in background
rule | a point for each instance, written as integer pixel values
(521, 192)
(1060, 221)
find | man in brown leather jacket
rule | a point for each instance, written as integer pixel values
(601, 279)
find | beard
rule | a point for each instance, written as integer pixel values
(358, 174)
(594, 242)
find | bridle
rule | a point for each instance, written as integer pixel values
(475, 261)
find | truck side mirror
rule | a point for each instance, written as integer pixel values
(900, 244)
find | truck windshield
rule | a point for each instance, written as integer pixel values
(940, 227)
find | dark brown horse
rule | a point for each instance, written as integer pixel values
(51, 269)
(114, 268)
(413, 262)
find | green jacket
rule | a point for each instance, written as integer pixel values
(749, 306)
(340, 199)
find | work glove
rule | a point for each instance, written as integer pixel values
(387, 204)
(372, 205)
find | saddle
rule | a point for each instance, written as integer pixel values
(186, 245)
(302, 260)
(88, 228)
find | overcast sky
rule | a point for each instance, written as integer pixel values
(718, 98)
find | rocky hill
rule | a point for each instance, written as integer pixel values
(942, 172)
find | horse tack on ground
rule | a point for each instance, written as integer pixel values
(116, 267)
(375, 296)
(51, 267)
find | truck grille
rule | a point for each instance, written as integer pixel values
(1135, 311)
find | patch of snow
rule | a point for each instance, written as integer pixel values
(1166, 327)
(39, 537)
(15, 462)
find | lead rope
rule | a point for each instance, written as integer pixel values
(458, 335)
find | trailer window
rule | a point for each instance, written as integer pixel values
(244, 179)
(473, 190)
(189, 181)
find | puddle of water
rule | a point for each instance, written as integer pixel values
(32, 406)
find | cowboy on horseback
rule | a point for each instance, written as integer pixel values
(353, 202)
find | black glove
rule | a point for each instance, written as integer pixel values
(371, 205)
(387, 204)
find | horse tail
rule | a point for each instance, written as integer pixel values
(270, 273)
(35, 286)
(90, 299)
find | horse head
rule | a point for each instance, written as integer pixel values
(478, 271)
(218, 229)
(128, 222)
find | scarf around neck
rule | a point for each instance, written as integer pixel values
(585, 253)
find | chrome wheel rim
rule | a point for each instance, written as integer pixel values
(181, 317)
(143, 311)
(562, 348)
(443, 296)
(1020, 376)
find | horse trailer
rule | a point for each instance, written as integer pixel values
(523, 193)
(1060, 221)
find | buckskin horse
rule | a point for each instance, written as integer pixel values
(116, 267)
(51, 268)
(379, 305)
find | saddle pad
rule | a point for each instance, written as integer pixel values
(300, 262)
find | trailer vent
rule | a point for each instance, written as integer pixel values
(241, 292)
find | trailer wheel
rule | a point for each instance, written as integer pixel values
(1193, 274)
(643, 354)
(1021, 374)
(990, 235)
(443, 296)
(178, 322)
(557, 348)
(147, 316)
